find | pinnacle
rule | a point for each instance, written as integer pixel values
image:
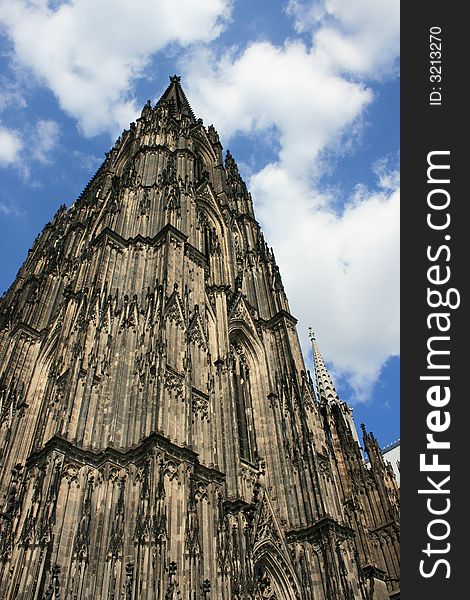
(325, 385)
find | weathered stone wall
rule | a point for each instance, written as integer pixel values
(159, 436)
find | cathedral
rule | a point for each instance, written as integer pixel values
(160, 436)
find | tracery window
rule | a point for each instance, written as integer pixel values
(243, 402)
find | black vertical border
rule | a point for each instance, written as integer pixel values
(426, 128)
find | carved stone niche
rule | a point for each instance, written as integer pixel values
(71, 474)
(200, 405)
(249, 473)
(174, 383)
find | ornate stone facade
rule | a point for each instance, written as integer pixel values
(160, 437)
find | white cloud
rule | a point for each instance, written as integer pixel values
(89, 53)
(88, 162)
(360, 37)
(10, 209)
(341, 271)
(10, 146)
(44, 140)
(387, 175)
(267, 86)
(10, 94)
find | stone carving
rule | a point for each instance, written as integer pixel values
(200, 405)
(148, 361)
(174, 383)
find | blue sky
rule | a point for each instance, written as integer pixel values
(306, 96)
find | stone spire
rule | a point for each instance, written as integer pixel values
(175, 95)
(323, 380)
(326, 389)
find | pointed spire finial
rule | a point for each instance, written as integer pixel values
(175, 78)
(323, 380)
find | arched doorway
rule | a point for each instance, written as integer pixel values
(274, 577)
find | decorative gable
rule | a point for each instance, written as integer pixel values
(174, 309)
(196, 330)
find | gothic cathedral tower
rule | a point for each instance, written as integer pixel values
(160, 437)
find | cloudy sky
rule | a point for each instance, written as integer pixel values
(305, 93)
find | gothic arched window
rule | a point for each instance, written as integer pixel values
(243, 403)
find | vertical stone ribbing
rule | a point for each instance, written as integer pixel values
(159, 434)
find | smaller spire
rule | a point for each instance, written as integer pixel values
(372, 448)
(146, 111)
(325, 386)
(369, 440)
(234, 179)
